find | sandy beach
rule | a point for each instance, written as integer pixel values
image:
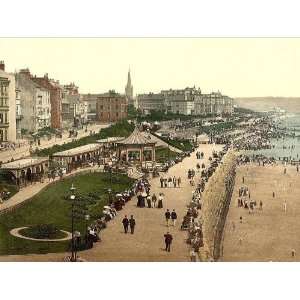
(270, 234)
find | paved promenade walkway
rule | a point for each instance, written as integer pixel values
(23, 151)
(147, 243)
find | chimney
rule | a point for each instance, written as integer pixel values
(2, 65)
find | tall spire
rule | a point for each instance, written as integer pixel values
(129, 78)
(129, 87)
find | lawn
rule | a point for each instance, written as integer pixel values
(6, 184)
(162, 154)
(51, 207)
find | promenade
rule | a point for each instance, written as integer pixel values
(23, 151)
(147, 244)
(269, 234)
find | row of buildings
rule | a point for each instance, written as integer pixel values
(29, 103)
(188, 101)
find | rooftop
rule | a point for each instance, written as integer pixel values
(137, 138)
(78, 150)
(111, 139)
(24, 163)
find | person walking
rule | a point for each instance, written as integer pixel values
(154, 199)
(161, 182)
(168, 241)
(179, 181)
(132, 224)
(174, 217)
(149, 202)
(125, 224)
(284, 206)
(167, 216)
(160, 201)
(260, 205)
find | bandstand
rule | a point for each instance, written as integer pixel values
(136, 149)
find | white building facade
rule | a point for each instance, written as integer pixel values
(7, 106)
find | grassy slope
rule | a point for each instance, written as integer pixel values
(121, 128)
(49, 206)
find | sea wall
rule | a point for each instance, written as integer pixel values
(216, 200)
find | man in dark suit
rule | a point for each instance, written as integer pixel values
(132, 224)
(168, 241)
(167, 216)
(125, 224)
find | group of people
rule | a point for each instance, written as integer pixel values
(170, 216)
(151, 201)
(244, 200)
(4, 195)
(170, 182)
(129, 223)
(199, 155)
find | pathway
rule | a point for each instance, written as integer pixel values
(23, 151)
(147, 244)
(33, 189)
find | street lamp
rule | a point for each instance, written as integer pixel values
(72, 198)
(168, 149)
(109, 196)
(87, 218)
(76, 238)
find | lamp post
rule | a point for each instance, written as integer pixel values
(72, 198)
(109, 196)
(168, 149)
(76, 238)
(86, 217)
(110, 175)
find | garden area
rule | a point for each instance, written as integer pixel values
(52, 206)
(163, 154)
(7, 186)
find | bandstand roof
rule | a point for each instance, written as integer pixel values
(24, 163)
(78, 150)
(136, 138)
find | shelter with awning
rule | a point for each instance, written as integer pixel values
(27, 170)
(78, 157)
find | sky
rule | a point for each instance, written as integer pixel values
(238, 67)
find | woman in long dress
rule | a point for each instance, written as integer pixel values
(160, 201)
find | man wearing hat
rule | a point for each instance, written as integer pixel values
(168, 241)
(132, 224)
(125, 224)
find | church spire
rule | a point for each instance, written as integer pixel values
(129, 87)
(129, 78)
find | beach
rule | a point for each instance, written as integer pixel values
(270, 234)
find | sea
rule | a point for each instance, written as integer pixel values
(283, 146)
